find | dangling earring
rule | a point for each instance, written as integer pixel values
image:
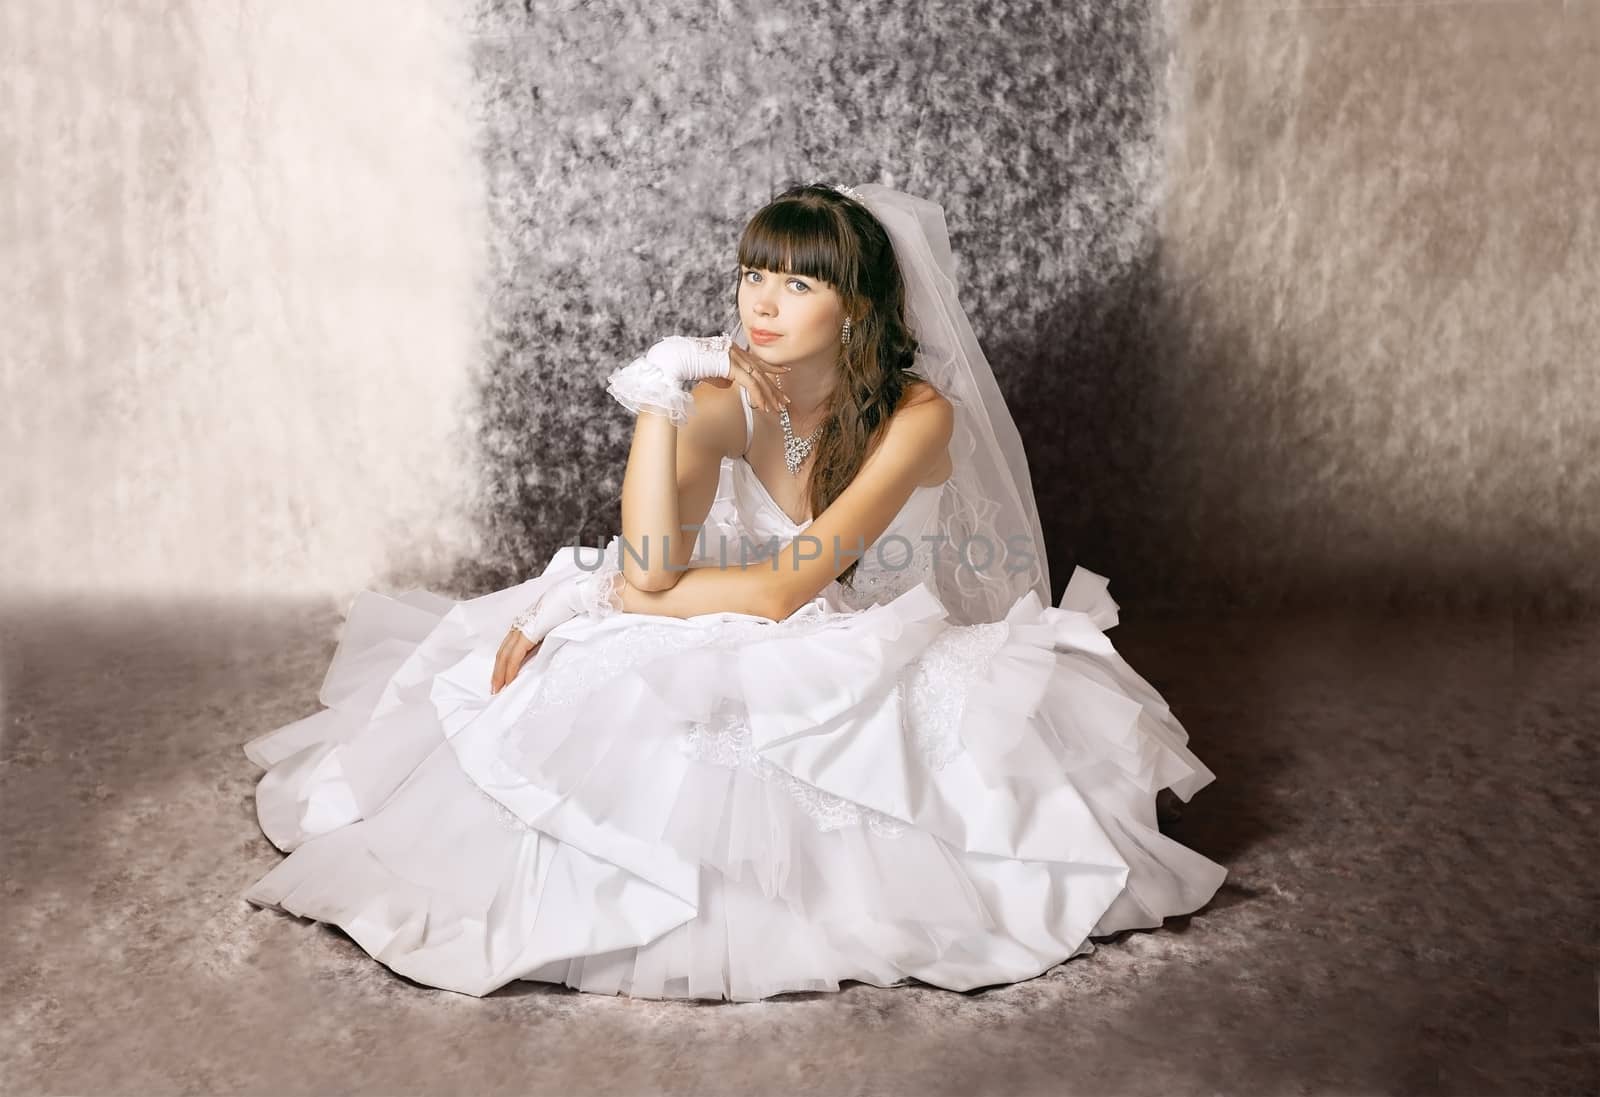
(844, 334)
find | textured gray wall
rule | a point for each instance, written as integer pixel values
(622, 182)
(1293, 302)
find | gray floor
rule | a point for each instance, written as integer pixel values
(1406, 807)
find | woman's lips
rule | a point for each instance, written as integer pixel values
(763, 337)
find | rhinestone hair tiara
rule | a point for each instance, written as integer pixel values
(850, 191)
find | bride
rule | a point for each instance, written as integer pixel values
(809, 717)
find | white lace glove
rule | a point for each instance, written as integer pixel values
(597, 593)
(559, 604)
(660, 380)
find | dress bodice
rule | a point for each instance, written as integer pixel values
(895, 562)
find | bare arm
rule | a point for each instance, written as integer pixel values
(915, 440)
(669, 483)
(747, 588)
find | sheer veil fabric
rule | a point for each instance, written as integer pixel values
(991, 549)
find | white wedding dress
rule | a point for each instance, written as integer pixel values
(729, 806)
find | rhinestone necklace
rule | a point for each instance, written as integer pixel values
(795, 450)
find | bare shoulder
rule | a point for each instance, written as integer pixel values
(920, 394)
(921, 427)
(926, 407)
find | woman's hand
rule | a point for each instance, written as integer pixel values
(559, 603)
(763, 381)
(515, 650)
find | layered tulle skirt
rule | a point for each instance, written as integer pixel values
(729, 806)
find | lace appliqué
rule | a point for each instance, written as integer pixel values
(600, 592)
(522, 620)
(504, 817)
(578, 670)
(726, 740)
(712, 345)
(935, 687)
(875, 583)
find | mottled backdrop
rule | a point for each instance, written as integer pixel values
(1293, 301)
(1295, 304)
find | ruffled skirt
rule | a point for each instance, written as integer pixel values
(729, 806)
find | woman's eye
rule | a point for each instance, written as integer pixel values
(792, 281)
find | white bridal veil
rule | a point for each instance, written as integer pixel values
(992, 551)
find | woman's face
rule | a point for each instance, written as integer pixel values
(806, 313)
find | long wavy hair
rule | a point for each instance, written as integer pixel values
(817, 232)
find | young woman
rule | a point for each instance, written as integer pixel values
(808, 718)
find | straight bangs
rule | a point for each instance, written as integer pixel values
(803, 239)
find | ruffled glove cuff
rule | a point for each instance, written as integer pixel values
(660, 380)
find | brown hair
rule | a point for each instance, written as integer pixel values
(818, 232)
